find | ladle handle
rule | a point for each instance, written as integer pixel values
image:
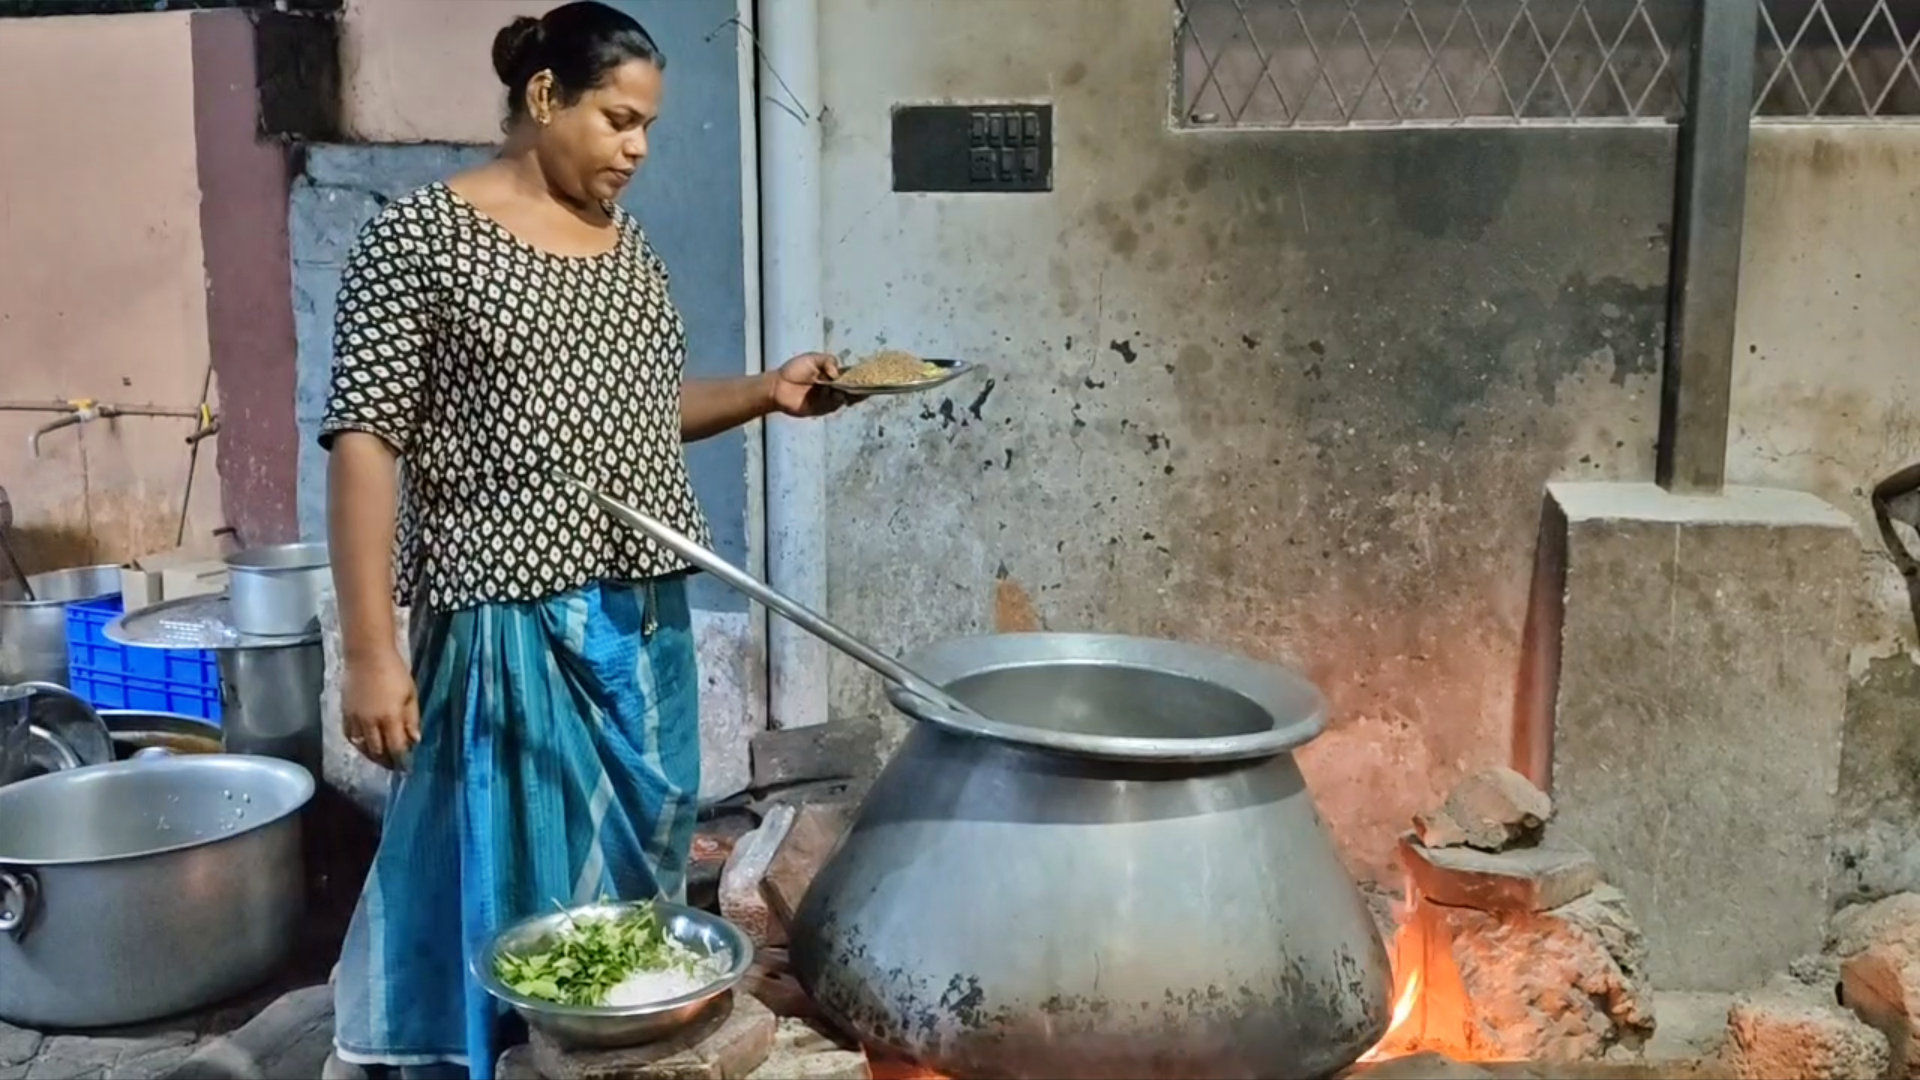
(806, 618)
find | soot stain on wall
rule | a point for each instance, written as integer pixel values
(1291, 394)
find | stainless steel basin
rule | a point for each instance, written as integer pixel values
(33, 633)
(142, 889)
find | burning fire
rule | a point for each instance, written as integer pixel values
(1405, 998)
(1429, 1000)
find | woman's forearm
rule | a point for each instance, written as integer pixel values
(362, 504)
(711, 406)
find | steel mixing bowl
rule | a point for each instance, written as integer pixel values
(607, 1028)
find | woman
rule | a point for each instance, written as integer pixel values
(492, 329)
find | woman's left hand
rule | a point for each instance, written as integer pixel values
(796, 390)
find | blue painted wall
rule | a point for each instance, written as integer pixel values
(687, 196)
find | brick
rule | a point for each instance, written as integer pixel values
(816, 832)
(1551, 875)
(1879, 949)
(1564, 985)
(1798, 1031)
(1492, 810)
(729, 1048)
(742, 900)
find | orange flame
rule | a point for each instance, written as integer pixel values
(1403, 1004)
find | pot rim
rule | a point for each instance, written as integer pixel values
(300, 777)
(21, 601)
(308, 556)
(1297, 708)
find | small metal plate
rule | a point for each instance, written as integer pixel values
(954, 369)
(193, 622)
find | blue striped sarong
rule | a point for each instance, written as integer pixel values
(559, 762)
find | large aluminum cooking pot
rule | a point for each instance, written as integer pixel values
(275, 590)
(142, 889)
(1122, 874)
(33, 633)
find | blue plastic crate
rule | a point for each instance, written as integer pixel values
(112, 676)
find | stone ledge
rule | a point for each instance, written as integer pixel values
(1554, 873)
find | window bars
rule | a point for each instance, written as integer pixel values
(1364, 63)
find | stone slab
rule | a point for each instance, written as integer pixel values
(1553, 873)
(728, 1047)
(836, 750)
(802, 1053)
(742, 900)
(1696, 719)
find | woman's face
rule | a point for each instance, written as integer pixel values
(594, 146)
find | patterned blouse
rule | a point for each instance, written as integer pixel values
(486, 363)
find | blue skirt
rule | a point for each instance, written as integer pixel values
(559, 762)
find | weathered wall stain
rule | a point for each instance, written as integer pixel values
(1290, 394)
(1876, 852)
(103, 285)
(1826, 398)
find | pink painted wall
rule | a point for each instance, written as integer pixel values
(102, 287)
(409, 72)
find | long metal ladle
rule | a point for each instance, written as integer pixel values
(806, 618)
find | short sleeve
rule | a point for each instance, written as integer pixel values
(653, 262)
(385, 320)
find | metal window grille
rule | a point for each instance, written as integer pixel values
(1839, 59)
(1363, 63)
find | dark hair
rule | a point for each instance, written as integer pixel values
(579, 42)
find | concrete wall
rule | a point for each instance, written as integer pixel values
(418, 72)
(1295, 395)
(103, 290)
(1827, 399)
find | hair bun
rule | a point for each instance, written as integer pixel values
(514, 45)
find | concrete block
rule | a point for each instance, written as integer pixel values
(1555, 873)
(1691, 1025)
(1696, 721)
(802, 1053)
(729, 1046)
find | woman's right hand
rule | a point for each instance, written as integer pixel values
(379, 709)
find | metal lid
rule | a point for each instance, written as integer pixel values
(194, 622)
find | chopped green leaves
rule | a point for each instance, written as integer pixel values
(591, 956)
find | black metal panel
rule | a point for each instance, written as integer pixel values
(973, 148)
